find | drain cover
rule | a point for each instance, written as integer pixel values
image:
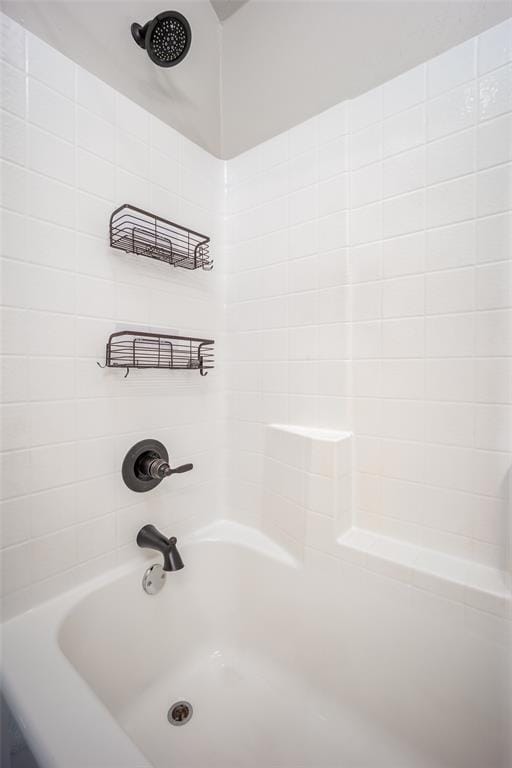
(180, 713)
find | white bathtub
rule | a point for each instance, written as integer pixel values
(322, 665)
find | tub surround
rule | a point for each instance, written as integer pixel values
(73, 150)
(369, 278)
(366, 266)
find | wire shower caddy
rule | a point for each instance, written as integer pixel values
(134, 230)
(134, 349)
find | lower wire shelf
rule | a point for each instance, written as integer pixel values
(134, 349)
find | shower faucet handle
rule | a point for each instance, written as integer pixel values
(179, 470)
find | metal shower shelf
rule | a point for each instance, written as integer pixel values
(134, 349)
(136, 231)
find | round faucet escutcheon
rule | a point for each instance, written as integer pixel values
(146, 464)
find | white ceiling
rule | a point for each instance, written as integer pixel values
(226, 8)
(267, 67)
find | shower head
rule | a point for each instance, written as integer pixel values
(166, 38)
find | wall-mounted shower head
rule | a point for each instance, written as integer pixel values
(166, 38)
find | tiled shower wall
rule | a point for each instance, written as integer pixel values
(73, 150)
(369, 288)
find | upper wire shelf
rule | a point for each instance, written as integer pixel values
(136, 231)
(134, 349)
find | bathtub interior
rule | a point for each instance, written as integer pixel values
(278, 663)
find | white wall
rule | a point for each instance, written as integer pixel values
(370, 288)
(431, 191)
(73, 150)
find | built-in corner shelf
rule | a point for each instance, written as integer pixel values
(453, 578)
(136, 231)
(140, 349)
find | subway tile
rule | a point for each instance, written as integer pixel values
(454, 111)
(452, 68)
(450, 336)
(494, 142)
(403, 420)
(132, 118)
(332, 159)
(404, 214)
(50, 245)
(51, 200)
(51, 156)
(451, 157)
(493, 429)
(450, 291)
(403, 296)
(403, 379)
(451, 202)
(367, 339)
(332, 232)
(366, 146)
(494, 286)
(404, 173)
(450, 423)
(494, 190)
(450, 379)
(133, 156)
(493, 238)
(94, 95)
(14, 570)
(495, 47)
(96, 537)
(12, 42)
(494, 333)
(495, 93)
(95, 134)
(366, 109)
(333, 123)
(51, 378)
(403, 460)
(13, 142)
(50, 66)
(50, 110)
(493, 380)
(14, 522)
(365, 262)
(366, 224)
(403, 338)
(404, 255)
(404, 131)
(451, 246)
(366, 185)
(332, 197)
(95, 175)
(13, 191)
(366, 301)
(12, 93)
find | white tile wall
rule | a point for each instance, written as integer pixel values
(429, 434)
(72, 150)
(414, 312)
(367, 287)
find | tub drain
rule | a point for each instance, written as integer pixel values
(180, 713)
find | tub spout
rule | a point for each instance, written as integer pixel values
(150, 537)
